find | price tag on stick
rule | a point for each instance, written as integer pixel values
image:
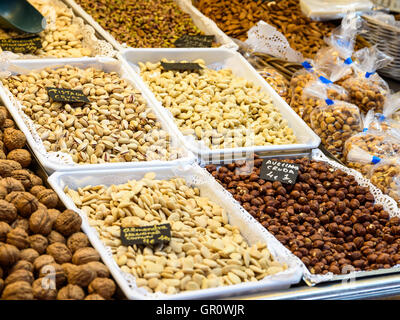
(273, 170)
(26, 44)
(147, 235)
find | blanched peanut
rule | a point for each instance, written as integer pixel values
(205, 250)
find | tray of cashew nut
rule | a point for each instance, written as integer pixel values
(223, 110)
(215, 250)
(117, 128)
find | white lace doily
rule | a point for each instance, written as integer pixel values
(267, 39)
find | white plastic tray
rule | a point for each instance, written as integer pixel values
(250, 229)
(52, 161)
(204, 23)
(223, 58)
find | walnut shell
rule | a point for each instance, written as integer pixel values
(59, 252)
(22, 156)
(77, 241)
(24, 176)
(71, 292)
(43, 289)
(36, 189)
(5, 112)
(8, 212)
(94, 296)
(54, 271)
(81, 276)
(55, 236)
(36, 180)
(68, 222)
(40, 222)
(1, 285)
(4, 229)
(8, 123)
(21, 223)
(85, 255)
(19, 275)
(103, 286)
(3, 118)
(19, 238)
(39, 243)
(53, 213)
(22, 265)
(8, 185)
(9, 255)
(42, 261)
(19, 290)
(100, 269)
(25, 202)
(2, 155)
(8, 166)
(48, 197)
(29, 255)
(13, 139)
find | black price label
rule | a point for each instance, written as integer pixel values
(147, 235)
(26, 44)
(181, 66)
(67, 95)
(197, 41)
(284, 172)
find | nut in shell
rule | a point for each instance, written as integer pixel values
(40, 222)
(68, 222)
(24, 202)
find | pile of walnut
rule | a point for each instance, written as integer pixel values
(43, 254)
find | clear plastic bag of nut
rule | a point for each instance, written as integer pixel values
(305, 104)
(389, 118)
(366, 88)
(334, 121)
(277, 81)
(386, 176)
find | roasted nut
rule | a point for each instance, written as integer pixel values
(19, 238)
(71, 292)
(19, 275)
(77, 241)
(24, 202)
(29, 255)
(22, 156)
(42, 290)
(54, 236)
(9, 255)
(59, 252)
(39, 243)
(85, 255)
(20, 290)
(68, 222)
(40, 222)
(104, 287)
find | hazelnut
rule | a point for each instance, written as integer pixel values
(19, 238)
(48, 197)
(43, 290)
(22, 264)
(100, 269)
(59, 252)
(68, 222)
(55, 236)
(20, 290)
(22, 156)
(54, 271)
(43, 260)
(29, 255)
(77, 241)
(4, 229)
(13, 139)
(94, 296)
(19, 275)
(9, 255)
(40, 222)
(24, 202)
(39, 243)
(71, 292)
(103, 286)
(8, 166)
(8, 212)
(85, 255)
(81, 276)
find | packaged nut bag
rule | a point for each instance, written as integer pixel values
(334, 122)
(386, 176)
(388, 120)
(366, 88)
(277, 81)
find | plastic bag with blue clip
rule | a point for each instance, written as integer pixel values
(389, 119)
(334, 121)
(366, 88)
